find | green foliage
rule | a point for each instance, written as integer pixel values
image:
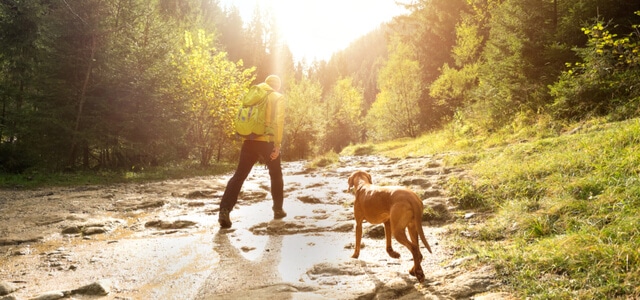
(342, 119)
(507, 53)
(570, 200)
(210, 87)
(324, 160)
(604, 81)
(562, 208)
(432, 38)
(469, 43)
(465, 194)
(28, 125)
(452, 88)
(359, 150)
(91, 84)
(512, 75)
(303, 123)
(36, 179)
(361, 61)
(396, 111)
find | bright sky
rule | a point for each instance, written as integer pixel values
(315, 29)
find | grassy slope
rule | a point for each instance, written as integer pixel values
(31, 180)
(565, 208)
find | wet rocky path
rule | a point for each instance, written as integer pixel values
(161, 240)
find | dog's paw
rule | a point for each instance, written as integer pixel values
(392, 253)
(418, 274)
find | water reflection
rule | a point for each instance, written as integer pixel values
(239, 277)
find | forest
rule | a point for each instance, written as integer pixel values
(131, 84)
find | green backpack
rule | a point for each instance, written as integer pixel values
(251, 121)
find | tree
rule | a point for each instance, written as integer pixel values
(232, 35)
(342, 116)
(452, 90)
(395, 113)
(362, 61)
(19, 83)
(604, 81)
(302, 119)
(430, 29)
(210, 86)
(514, 72)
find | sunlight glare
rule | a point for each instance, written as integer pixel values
(315, 29)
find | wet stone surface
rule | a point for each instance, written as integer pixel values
(161, 240)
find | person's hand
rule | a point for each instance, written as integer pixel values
(275, 153)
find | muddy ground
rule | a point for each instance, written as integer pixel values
(161, 240)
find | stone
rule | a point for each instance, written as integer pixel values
(470, 283)
(494, 296)
(131, 206)
(19, 240)
(22, 251)
(72, 230)
(375, 232)
(418, 181)
(200, 194)
(98, 288)
(436, 210)
(6, 288)
(309, 199)
(343, 227)
(179, 224)
(53, 295)
(93, 230)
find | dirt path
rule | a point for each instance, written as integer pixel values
(162, 241)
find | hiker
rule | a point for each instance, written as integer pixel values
(264, 148)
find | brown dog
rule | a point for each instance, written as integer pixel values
(398, 208)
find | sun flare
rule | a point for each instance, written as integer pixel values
(315, 29)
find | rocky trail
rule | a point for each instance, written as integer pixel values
(161, 240)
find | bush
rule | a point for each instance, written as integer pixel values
(604, 82)
(465, 194)
(325, 160)
(13, 161)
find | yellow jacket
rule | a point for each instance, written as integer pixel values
(276, 106)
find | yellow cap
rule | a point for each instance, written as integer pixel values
(273, 81)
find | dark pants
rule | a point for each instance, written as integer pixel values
(251, 152)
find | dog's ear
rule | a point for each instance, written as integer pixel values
(350, 183)
(369, 177)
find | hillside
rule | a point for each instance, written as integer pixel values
(561, 208)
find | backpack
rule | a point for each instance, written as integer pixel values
(251, 120)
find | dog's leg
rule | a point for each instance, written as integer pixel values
(356, 253)
(387, 235)
(413, 235)
(401, 237)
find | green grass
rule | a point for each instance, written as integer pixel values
(34, 179)
(565, 208)
(324, 160)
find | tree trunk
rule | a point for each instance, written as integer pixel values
(81, 101)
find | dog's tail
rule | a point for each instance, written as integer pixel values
(422, 237)
(418, 225)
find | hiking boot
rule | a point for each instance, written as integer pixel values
(279, 214)
(223, 218)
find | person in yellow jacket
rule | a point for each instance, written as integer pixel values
(265, 148)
